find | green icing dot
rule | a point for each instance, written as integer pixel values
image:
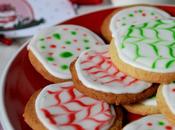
(161, 123)
(43, 47)
(152, 13)
(64, 67)
(41, 39)
(66, 54)
(86, 40)
(87, 48)
(73, 32)
(140, 11)
(68, 42)
(131, 15)
(57, 36)
(124, 18)
(123, 24)
(50, 59)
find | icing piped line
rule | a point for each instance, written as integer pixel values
(61, 106)
(96, 71)
(135, 15)
(138, 46)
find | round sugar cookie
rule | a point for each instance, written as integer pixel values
(96, 76)
(131, 15)
(146, 51)
(151, 122)
(53, 49)
(165, 99)
(61, 106)
(146, 107)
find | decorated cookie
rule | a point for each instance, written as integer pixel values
(146, 107)
(166, 102)
(61, 106)
(94, 72)
(135, 15)
(152, 122)
(56, 47)
(120, 18)
(147, 51)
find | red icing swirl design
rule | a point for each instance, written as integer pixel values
(61, 106)
(96, 70)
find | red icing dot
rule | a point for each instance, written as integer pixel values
(86, 53)
(63, 47)
(173, 89)
(97, 43)
(156, 17)
(48, 37)
(168, 128)
(143, 14)
(54, 64)
(76, 28)
(149, 124)
(78, 49)
(50, 53)
(53, 46)
(84, 34)
(65, 29)
(75, 40)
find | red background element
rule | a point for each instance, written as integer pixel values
(86, 2)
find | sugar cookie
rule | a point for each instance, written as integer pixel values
(166, 102)
(152, 122)
(61, 106)
(96, 76)
(53, 49)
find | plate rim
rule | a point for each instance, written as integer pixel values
(4, 119)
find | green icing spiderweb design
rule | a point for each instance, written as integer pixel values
(154, 42)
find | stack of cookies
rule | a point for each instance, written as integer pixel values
(94, 81)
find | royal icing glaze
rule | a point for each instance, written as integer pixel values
(148, 46)
(135, 15)
(61, 106)
(152, 122)
(150, 101)
(168, 92)
(96, 70)
(57, 47)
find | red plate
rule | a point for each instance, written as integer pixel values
(21, 80)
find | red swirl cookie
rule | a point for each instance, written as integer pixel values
(61, 106)
(96, 76)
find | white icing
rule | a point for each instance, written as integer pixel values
(152, 122)
(67, 105)
(97, 82)
(154, 51)
(168, 92)
(150, 102)
(122, 18)
(7, 13)
(54, 67)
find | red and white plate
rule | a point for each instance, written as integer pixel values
(20, 80)
(20, 18)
